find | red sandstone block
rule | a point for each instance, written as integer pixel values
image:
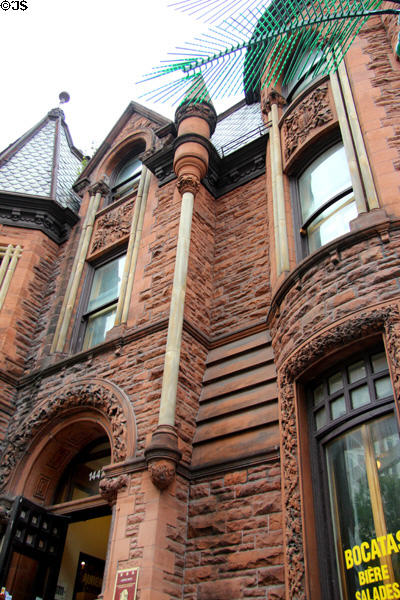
(226, 589)
(251, 559)
(276, 593)
(271, 576)
(197, 574)
(237, 477)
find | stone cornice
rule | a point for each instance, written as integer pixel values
(37, 212)
(224, 174)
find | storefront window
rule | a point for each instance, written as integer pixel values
(359, 451)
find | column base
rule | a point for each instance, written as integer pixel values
(162, 455)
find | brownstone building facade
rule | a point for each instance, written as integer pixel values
(200, 330)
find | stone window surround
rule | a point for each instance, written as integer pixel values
(9, 256)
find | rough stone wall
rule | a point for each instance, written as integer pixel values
(199, 289)
(241, 265)
(234, 548)
(193, 358)
(137, 368)
(21, 310)
(159, 247)
(385, 73)
(355, 277)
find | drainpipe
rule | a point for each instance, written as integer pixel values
(195, 124)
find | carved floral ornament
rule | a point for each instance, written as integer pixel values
(100, 395)
(112, 226)
(314, 111)
(385, 319)
(188, 183)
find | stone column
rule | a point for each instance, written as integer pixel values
(195, 124)
(270, 107)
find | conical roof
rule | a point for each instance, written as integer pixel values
(43, 162)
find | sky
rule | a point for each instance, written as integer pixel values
(96, 50)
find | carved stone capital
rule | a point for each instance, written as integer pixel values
(203, 110)
(162, 456)
(109, 487)
(273, 97)
(188, 183)
(100, 187)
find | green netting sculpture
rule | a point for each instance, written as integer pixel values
(251, 44)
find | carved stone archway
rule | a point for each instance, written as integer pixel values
(382, 320)
(60, 426)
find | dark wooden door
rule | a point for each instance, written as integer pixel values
(31, 551)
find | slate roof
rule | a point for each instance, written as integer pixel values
(237, 127)
(43, 162)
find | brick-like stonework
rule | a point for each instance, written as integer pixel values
(241, 263)
(234, 546)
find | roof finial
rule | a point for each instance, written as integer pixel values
(63, 97)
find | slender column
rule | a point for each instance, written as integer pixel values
(195, 124)
(348, 145)
(278, 194)
(97, 191)
(5, 283)
(365, 168)
(4, 262)
(133, 248)
(188, 187)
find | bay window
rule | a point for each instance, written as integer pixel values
(326, 199)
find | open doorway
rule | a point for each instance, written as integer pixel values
(58, 552)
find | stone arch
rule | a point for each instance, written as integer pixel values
(382, 320)
(61, 426)
(121, 150)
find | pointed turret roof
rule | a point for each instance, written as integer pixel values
(43, 162)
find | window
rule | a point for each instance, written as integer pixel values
(357, 443)
(101, 306)
(126, 178)
(305, 67)
(326, 199)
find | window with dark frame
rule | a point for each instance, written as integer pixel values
(100, 302)
(356, 468)
(126, 177)
(326, 203)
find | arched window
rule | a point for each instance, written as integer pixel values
(126, 178)
(356, 462)
(306, 65)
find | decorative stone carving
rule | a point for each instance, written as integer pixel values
(162, 472)
(112, 226)
(273, 97)
(312, 112)
(203, 110)
(162, 456)
(84, 394)
(188, 183)
(100, 187)
(387, 319)
(109, 487)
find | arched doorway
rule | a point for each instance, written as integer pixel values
(55, 545)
